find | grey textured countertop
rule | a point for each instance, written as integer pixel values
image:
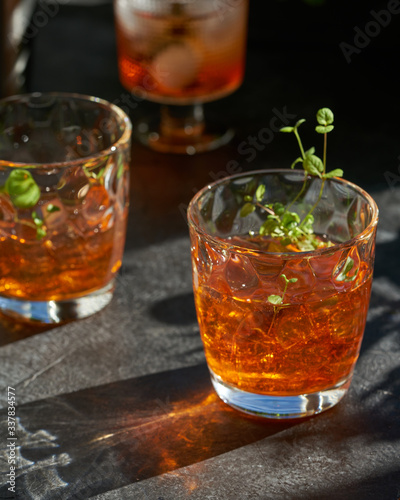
(123, 400)
(120, 405)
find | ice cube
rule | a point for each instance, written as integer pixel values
(176, 66)
(345, 273)
(8, 215)
(7, 210)
(251, 341)
(73, 188)
(55, 216)
(268, 268)
(293, 327)
(126, 14)
(97, 209)
(300, 270)
(240, 275)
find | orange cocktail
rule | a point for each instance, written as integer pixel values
(178, 52)
(293, 356)
(64, 185)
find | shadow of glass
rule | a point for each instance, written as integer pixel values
(177, 310)
(112, 435)
(12, 330)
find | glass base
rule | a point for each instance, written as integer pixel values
(180, 136)
(57, 311)
(279, 407)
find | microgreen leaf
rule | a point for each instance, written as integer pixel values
(348, 266)
(325, 116)
(37, 220)
(40, 233)
(307, 224)
(299, 122)
(313, 165)
(260, 192)
(247, 209)
(338, 172)
(121, 166)
(324, 129)
(298, 160)
(282, 224)
(40, 230)
(22, 188)
(52, 208)
(290, 220)
(275, 299)
(278, 208)
(286, 129)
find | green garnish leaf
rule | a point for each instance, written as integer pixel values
(260, 192)
(298, 160)
(22, 188)
(275, 299)
(348, 266)
(247, 209)
(325, 116)
(52, 208)
(290, 220)
(324, 129)
(338, 172)
(307, 224)
(278, 208)
(38, 222)
(121, 166)
(299, 122)
(313, 165)
(40, 230)
(247, 197)
(40, 233)
(280, 222)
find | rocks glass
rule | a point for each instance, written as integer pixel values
(293, 356)
(64, 185)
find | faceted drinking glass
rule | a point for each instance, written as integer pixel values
(64, 186)
(293, 357)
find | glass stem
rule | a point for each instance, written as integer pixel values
(182, 122)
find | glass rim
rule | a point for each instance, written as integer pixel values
(117, 111)
(309, 253)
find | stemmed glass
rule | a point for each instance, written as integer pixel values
(181, 54)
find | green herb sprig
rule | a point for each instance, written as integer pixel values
(24, 193)
(277, 300)
(281, 223)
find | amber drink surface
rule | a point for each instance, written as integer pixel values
(82, 249)
(305, 345)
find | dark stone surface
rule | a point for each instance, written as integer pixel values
(119, 405)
